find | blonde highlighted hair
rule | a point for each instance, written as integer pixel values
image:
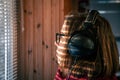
(108, 46)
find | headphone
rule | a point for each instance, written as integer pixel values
(83, 43)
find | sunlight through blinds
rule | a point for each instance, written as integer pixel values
(8, 40)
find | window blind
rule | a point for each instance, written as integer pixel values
(8, 40)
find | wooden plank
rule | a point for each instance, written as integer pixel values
(61, 10)
(29, 39)
(38, 37)
(25, 41)
(55, 19)
(21, 73)
(67, 6)
(35, 39)
(47, 39)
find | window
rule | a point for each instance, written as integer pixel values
(8, 40)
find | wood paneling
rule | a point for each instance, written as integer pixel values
(38, 38)
(42, 19)
(47, 38)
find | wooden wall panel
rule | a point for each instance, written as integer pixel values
(26, 37)
(28, 27)
(53, 17)
(61, 12)
(42, 19)
(21, 40)
(67, 6)
(47, 39)
(38, 38)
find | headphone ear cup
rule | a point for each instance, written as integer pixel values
(80, 45)
(83, 43)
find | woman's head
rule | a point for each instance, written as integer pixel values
(100, 33)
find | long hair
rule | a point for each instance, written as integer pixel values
(108, 46)
(107, 58)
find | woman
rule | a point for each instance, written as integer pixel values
(99, 63)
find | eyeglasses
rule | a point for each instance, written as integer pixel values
(58, 36)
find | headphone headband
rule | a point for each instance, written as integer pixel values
(90, 19)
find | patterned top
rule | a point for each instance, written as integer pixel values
(58, 76)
